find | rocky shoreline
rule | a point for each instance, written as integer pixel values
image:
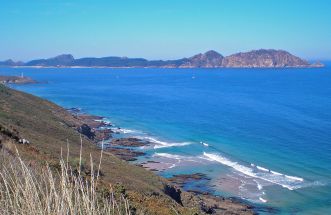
(94, 129)
(16, 80)
(102, 132)
(105, 134)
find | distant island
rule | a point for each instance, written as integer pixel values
(263, 58)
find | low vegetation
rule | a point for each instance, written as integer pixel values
(35, 182)
(32, 190)
(49, 128)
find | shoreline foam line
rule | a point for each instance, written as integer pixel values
(262, 200)
(289, 182)
(262, 168)
(125, 130)
(162, 144)
(143, 136)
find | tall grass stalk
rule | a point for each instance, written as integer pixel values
(41, 191)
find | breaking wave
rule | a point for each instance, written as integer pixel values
(262, 200)
(286, 181)
(162, 144)
(124, 131)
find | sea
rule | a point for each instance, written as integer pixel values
(259, 135)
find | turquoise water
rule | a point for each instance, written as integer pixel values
(261, 134)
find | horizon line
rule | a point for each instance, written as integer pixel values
(160, 59)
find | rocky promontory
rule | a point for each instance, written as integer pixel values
(16, 80)
(264, 59)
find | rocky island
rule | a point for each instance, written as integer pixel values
(263, 58)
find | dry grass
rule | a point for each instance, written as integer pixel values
(41, 190)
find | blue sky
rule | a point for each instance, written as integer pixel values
(162, 29)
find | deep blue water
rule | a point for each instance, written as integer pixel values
(265, 132)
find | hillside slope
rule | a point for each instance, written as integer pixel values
(264, 58)
(48, 127)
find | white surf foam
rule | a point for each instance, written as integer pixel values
(124, 130)
(204, 144)
(294, 178)
(172, 166)
(171, 156)
(104, 120)
(171, 145)
(259, 186)
(289, 182)
(262, 168)
(162, 144)
(276, 173)
(263, 200)
(195, 159)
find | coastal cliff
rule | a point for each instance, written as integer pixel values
(210, 59)
(263, 58)
(42, 132)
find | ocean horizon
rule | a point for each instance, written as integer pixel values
(262, 135)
